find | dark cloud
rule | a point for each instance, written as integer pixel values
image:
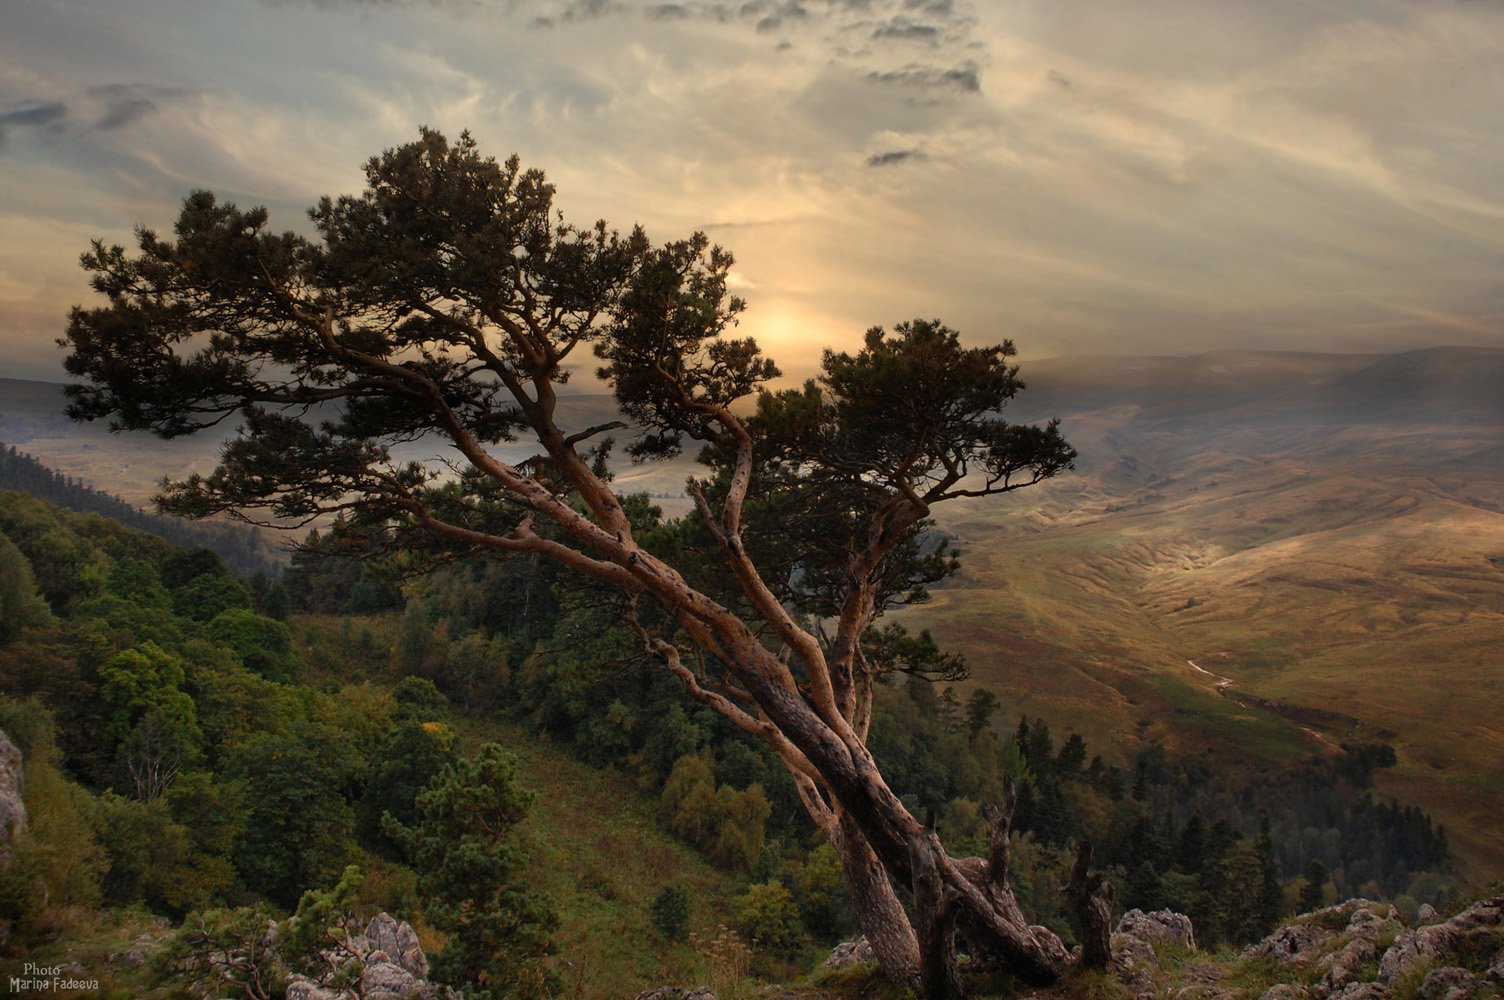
(903, 29)
(966, 78)
(893, 156)
(668, 12)
(35, 115)
(32, 114)
(1060, 80)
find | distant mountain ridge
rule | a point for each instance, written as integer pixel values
(246, 550)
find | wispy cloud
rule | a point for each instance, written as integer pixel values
(1086, 173)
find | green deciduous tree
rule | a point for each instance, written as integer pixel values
(144, 681)
(766, 916)
(299, 827)
(263, 644)
(21, 605)
(448, 299)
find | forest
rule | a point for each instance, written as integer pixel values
(218, 752)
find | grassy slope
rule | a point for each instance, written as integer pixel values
(600, 855)
(595, 847)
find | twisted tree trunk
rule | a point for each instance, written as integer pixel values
(879, 911)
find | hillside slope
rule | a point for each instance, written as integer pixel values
(1326, 532)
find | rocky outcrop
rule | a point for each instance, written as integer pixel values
(1362, 952)
(1471, 929)
(1162, 925)
(397, 941)
(384, 962)
(849, 953)
(1450, 983)
(1341, 941)
(12, 805)
(1366, 928)
(1133, 955)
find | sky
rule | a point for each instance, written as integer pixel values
(1082, 176)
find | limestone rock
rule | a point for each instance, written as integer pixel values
(1130, 952)
(1485, 913)
(1426, 914)
(1292, 944)
(1363, 931)
(399, 942)
(302, 988)
(1450, 983)
(676, 993)
(1343, 966)
(386, 960)
(387, 981)
(1361, 991)
(1161, 925)
(849, 953)
(1431, 942)
(1286, 991)
(12, 805)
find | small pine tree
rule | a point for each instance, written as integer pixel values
(1313, 893)
(1271, 896)
(464, 848)
(670, 913)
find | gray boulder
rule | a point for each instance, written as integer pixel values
(1361, 991)
(302, 988)
(1286, 991)
(849, 953)
(1432, 942)
(1131, 954)
(1364, 928)
(1450, 983)
(677, 993)
(1298, 944)
(1161, 925)
(386, 960)
(387, 981)
(398, 941)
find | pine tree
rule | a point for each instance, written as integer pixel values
(1313, 893)
(465, 850)
(1271, 897)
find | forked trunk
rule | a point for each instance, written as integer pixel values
(879, 911)
(967, 897)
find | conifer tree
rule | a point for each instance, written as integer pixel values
(466, 850)
(448, 299)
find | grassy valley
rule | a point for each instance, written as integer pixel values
(1327, 532)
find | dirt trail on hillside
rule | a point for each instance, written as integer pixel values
(1224, 685)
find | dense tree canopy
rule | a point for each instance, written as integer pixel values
(449, 301)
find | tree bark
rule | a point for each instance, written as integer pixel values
(935, 913)
(1090, 899)
(879, 912)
